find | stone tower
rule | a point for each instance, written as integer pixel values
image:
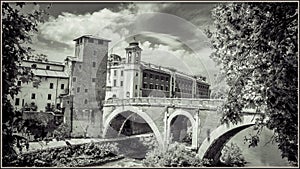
(132, 70)
(87, 85)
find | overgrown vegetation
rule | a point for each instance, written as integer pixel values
(16, 35)
(232, 156)
(175, 156)
(71, 156)
(256, 44)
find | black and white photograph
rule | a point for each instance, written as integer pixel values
(139, 84)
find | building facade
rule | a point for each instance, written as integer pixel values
(87, 82)
(130, 77)
(43, 93)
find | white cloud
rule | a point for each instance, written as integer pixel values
(158, 48)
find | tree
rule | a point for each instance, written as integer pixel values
(16, 31)
(256, 45)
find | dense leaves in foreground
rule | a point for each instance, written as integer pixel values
(257, 46)
(71, 156)
(17, 28)
(175, 156)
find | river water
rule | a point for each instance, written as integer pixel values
(264, 155)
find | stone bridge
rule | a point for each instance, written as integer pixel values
(173, 119)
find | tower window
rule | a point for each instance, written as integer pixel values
(51, 85)
(17, 103)
(33, 96)
(49, 96)
(62, 86)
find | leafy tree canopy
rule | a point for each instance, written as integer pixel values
(257, 46)
(17, 28)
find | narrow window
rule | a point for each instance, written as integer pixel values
(62, 86)
(19, 83)
(137, 74)
(51, 85)
(93, 79)
(78, 89)
(161, 87)
(94, 64)
(136, 86)
(47, 67)
(85, 101)
(17, 103)
(49, 96)
(121, 83)
(74, 79)
(156, 86)
(33, 96)
(121, 72)
(115, 83)
(115, 72)
(85, 90)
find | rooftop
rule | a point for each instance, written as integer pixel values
(49, 73)
(44, 62)
(92, 36)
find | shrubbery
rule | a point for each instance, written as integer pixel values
(232, 156)
(175, 156)
(71, 156)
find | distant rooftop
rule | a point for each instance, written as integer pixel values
(92, 36)
(49, 73)
(45, 62)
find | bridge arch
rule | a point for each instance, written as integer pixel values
(137, 111)
(211, 147)
(191, 119)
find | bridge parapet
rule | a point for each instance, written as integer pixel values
(175, 102)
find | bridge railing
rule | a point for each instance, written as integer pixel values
(155, 101)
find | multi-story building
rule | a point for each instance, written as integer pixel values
(130, 77)
(43, 93)
(87, 70)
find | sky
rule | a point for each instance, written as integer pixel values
(170, 34)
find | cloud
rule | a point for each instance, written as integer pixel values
(166, 39)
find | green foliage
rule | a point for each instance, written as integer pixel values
(175, 156)
(16, 34)
(71, 156)
(257, 46)
(232, 156)
(62, 132)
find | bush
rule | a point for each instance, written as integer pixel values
(232, 156)
(175, 156)
(62, 132)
